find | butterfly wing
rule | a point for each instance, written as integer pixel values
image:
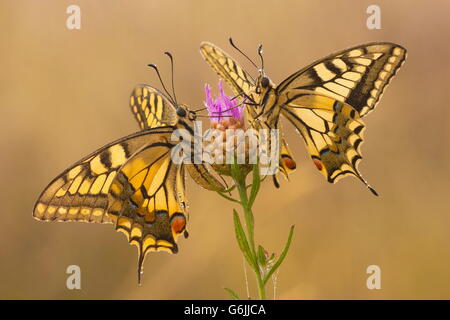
(228, 69)
(332, 130)
(287, 164)
(242, 83)
(151, 108)
(147, 198)
(356, 76)
(326, 100)
(80, 193)
(205, 176)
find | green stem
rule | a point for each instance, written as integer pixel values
(249, 223)
(262, 265)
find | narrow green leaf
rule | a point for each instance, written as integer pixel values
(242, 240)
(256, 183)
(228, 197)
(229, 189)
(250, 220)
(233, 294)
(282, 256)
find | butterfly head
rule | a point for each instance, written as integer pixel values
(184, 113)
(263, 83)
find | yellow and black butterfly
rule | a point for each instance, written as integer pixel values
(325, 101)
(133, 182)
(242, 84)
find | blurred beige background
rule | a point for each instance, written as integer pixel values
(65, 93)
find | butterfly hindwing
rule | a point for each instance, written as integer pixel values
(356, 76)
(333, 133)
(151, 108)
(147, 198)
(287, 163)
(204, 176)
(80, 193)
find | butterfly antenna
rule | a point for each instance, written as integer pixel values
(238, 95)
(234, 46)
(171, 64)
(260, 51)
(151, 65)
(201, 109)
(236, 106)
(205, 116)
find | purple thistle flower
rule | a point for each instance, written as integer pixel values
(222, 106)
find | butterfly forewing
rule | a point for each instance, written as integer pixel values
(356, 76)
(80, 193)
(228, 69)
(151, 108)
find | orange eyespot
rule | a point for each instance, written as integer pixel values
(178, 223)
(289, 163)
(318, 164)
